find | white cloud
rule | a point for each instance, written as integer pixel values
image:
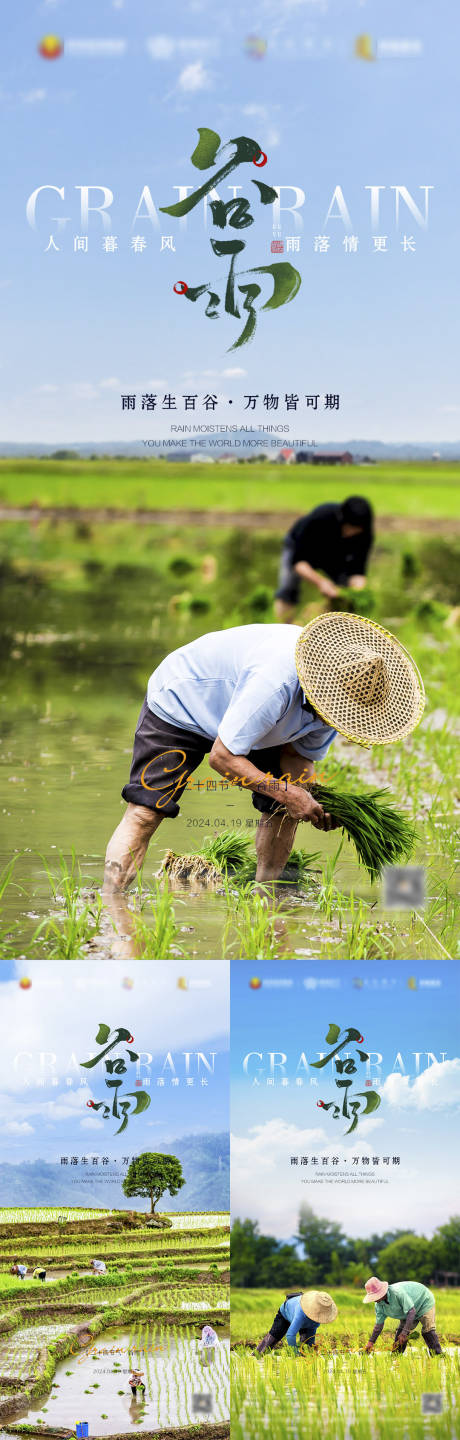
(267, 1148)
(259, 112)
(111, 383)
(435, 1089)
(161, 47)
(373, 1123)
(83, 391)
(33, 97)
(233, 372)
(267, 1188)
(194, 77)
(65, 1105)
(17, 1127)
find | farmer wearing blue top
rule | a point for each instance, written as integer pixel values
(265, 702)
(298, 1319)
(407, 1301)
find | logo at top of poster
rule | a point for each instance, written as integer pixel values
(122, 1106)
(363, 1103)
(50, 47)
(240, 295)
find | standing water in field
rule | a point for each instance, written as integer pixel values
(83, 630)
(95, 1384)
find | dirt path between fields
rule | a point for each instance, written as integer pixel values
(279, 520)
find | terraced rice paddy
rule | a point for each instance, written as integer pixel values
(16, 1215)
(173, 1370)
(159, 1290)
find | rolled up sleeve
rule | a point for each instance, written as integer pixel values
(315, 744)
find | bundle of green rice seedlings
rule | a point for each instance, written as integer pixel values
(233, 854)
(380, 833)
(228, 849)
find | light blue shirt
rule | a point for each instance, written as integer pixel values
(292, 1310)
(242, 685)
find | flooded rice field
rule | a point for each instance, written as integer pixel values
(94, 1385)
(82, 634)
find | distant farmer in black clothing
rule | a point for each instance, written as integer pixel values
(329, 548)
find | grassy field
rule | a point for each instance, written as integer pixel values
(335, 1390)
(393, 488)
(254, 1310)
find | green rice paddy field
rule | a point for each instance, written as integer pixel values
(414, 489)
(90, 605)
(147, 1311)
(336, 1390)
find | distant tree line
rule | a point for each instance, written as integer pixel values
(323, 1255)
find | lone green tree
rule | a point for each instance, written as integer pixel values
(151, 1175)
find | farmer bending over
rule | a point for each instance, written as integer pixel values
(263, 701)
(406, 1301)
(136, 1382)
(298, 1319)
(207, 1344)
(334, 539)
(39, 1274)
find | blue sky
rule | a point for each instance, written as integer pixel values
(417, 1118)
(59, 1015)
(380, 329)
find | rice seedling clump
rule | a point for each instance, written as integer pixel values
(381, 834)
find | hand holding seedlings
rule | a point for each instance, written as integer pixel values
(265, 702)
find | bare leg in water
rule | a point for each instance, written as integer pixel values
(128, 846)
(127, 849)
(276, 833)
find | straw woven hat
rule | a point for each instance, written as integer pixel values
(359, 678)
(319, 1306)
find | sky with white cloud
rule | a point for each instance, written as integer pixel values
(121, 107)
(50, 1027)
(403, 1011)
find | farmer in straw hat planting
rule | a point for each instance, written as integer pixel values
(298, 1319)
(265, 703)
(406, 1301)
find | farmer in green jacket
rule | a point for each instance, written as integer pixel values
(406, 1301)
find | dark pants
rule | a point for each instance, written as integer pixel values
(164, 757)
(280, 1328)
